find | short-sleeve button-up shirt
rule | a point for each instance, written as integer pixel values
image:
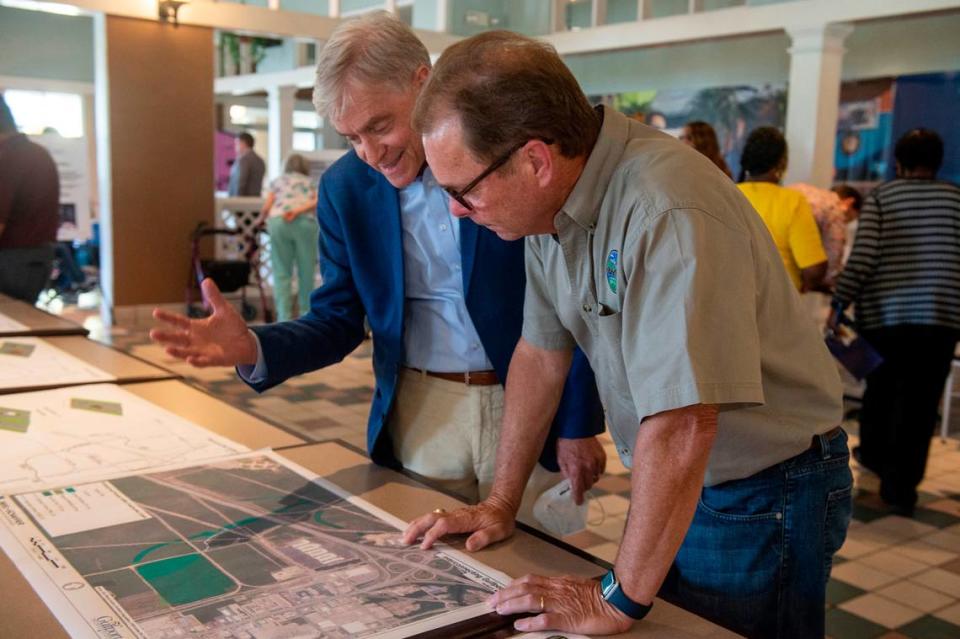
(668, 280)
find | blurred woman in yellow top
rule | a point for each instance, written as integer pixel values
(786, 213)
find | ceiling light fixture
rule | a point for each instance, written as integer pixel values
(168, 10)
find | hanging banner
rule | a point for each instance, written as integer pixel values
(70, 155)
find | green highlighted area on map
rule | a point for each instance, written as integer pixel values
(13, 419)
(185, 579)
(96, 406)
(17, 349)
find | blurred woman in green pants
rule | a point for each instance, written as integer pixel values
(290, 211)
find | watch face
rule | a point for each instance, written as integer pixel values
(608, 583)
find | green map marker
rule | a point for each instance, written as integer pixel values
(96, 406)
(14, 419)
(17, 349)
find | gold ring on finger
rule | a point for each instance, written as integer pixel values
(439, 511)
(542, 607)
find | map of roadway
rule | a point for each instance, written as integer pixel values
(248, 548)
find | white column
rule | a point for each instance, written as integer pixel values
(644, 9)
(90, 135)
(813, 99)
(334, 8)
(558, 15)
(391, 6)
(598, 13)
(101, 87)
(443, 15)
(280, 101)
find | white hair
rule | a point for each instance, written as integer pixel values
(374, 49)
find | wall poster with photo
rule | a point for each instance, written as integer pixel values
(732, 111)
(864, 132)
(875, 113)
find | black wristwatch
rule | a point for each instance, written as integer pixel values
(613, 594)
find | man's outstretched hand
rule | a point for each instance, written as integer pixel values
(219, 340)
(488, 521)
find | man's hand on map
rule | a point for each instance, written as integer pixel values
(582, 461)
(566, 604)
(219, 340)
(489, 521)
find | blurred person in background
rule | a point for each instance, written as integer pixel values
(290, 215)
(904, 278)
(703, 138)
(786, 213)
(247, 171)
(29, 211)
(828, 212)
(851, 201)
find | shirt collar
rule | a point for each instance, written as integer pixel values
(423, 180)
(583, 203)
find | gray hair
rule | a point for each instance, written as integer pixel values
(374, 49)
(296, 163)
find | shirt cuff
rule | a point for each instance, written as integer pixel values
(256, 374)
(549, 340)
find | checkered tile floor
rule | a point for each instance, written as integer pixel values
(893, 578)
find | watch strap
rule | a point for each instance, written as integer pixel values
(613, 594)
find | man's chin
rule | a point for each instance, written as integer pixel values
(399, 180)
(506, 235)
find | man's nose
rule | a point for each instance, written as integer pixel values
(371, 151)
(376, 151)
(457, 209)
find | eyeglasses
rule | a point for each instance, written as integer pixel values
(460, 196)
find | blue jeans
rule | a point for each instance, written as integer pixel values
(758, 554)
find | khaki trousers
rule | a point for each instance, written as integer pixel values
(448, 432)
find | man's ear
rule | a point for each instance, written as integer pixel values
(420, 75)
(537, 153)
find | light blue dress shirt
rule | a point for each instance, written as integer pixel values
(438, 333)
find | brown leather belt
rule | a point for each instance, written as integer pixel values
(470, 378)
(830, 434)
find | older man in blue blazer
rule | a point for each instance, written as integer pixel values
(443, 297)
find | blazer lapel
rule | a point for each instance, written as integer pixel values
(386, 239)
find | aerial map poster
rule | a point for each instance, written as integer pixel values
(250, 546)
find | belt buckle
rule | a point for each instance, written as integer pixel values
(466, 378)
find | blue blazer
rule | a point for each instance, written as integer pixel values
(361, 261)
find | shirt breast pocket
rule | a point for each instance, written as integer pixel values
(606, 311)
(609, 333)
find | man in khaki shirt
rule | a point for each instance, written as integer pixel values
(719, 393)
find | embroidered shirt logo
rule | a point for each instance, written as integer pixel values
(612, 260)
